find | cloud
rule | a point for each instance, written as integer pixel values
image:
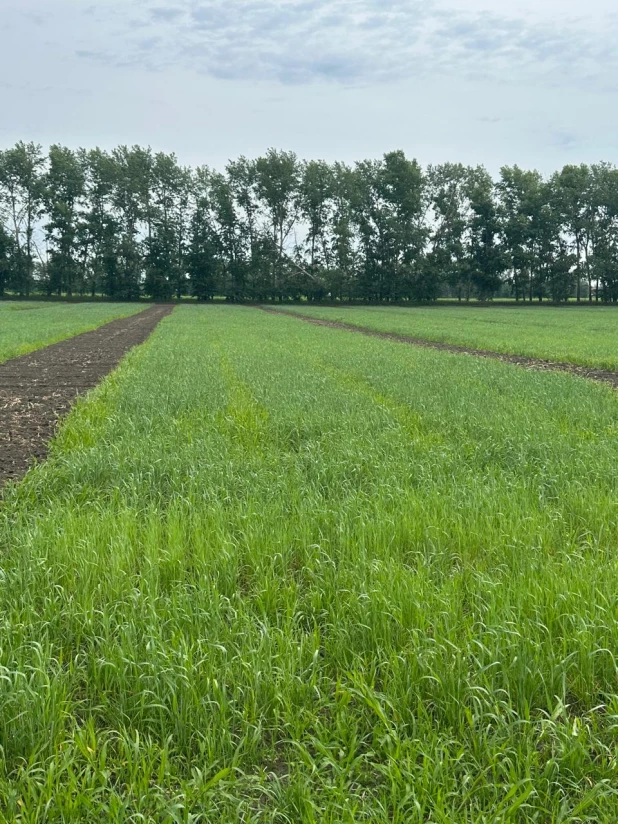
(35, 19)
(565, 139)
(360, 42)
(165, 14)
(91, 54)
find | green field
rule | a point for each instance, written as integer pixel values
(273, 572)
(29, 325)
(585, 336)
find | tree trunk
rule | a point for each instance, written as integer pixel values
(579, 273)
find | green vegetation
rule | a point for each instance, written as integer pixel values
(277, 573)
(585, 337)
(133, 221)
(29, 325)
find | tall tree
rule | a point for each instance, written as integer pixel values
(233, 242)
(131, 199)
(165, 207)
(603, 228)
(486, 257)
(204, 263)
(241, 180)
(132, 222)
(342, 278)
(21, 191)
(102, 227)
(446, 260)
(572, 187)
(403, 188)
(277, 179)
(6, 255)
(388, 207)
(531, 225)
(316, 211)
(64, 189)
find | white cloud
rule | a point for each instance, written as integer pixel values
(363, 41)
(480, 81)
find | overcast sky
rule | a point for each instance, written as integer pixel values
(532, 82)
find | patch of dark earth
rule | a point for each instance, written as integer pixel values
(38, 389)
(602, 375)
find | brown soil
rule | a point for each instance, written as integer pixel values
(590, 372)
(36, 390)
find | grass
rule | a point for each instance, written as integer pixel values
(29, 325)
(278, 573)
(584, 336)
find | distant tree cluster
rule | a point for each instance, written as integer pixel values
(131, 223)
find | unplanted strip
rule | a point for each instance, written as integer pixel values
(38, 389)
(602, 375)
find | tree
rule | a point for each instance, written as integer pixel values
(277, 179)
(204, 264)
(572, 187)
(485, 254)
(102, 227)
(165, 207)
(64, 188)
(403, 187)
(450, 217)
(131, 199)
(316, 210)
(232, 240)
(6, 259)
(132, 222)
(341, 278)
(21, 192)
(532, 216)
(560, 274)
(603, 230)
(387, 202)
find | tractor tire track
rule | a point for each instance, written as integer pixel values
(592, 373)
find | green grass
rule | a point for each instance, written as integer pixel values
(29, 325)
(585, 336)
(279, 573)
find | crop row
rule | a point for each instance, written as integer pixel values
(273, 572)
(581, 337)
(29, 325)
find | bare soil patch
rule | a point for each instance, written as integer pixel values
(590, 372)
(37, 389)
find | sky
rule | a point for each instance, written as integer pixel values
(532, 82)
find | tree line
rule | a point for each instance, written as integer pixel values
(132, 222)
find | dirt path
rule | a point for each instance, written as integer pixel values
(38, 389)
(590, 372)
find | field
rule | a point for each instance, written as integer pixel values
(29, 325)
(273, 572)
(584, 336)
